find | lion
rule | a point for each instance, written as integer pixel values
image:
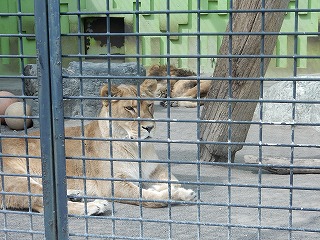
(179, 88)
(130, 175)
(188, 89)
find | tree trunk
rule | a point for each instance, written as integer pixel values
(230, 69)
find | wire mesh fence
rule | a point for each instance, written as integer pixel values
(159, 119)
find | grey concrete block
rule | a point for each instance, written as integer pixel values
(75, 83)
(303, 90)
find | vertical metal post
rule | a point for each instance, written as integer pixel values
(47, 21)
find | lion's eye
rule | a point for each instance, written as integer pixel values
(150, 105)
(129, 108)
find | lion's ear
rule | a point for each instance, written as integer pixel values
(104, 92)
(149, 86)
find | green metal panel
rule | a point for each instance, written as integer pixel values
(307, 22)
(175, 19)
(5, 49)
(281, 50)
(27, 6)
(145, 6)
(5, 21)
(4, 6)
(185, 23)
(28, 27)
(65, 28)
(222, 5)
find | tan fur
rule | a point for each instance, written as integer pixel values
(184, 89)
(124, 171)
(162, 71)
(188, 89)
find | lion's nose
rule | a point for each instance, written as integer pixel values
(148, 128)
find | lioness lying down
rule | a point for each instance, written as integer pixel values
(186, 89)
(124, 172)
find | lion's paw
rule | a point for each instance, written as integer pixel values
(183, 194)
(97, 207)
(163, 103)
(174, 104)
(75, 195)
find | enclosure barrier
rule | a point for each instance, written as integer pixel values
(245, 149)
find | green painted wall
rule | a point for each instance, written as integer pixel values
(157, 23)
(307, 44)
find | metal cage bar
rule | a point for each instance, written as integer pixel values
(51, 118)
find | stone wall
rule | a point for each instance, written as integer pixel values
(307, 90)
(97, 74)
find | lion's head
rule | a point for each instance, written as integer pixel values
(162, 71)
(131, 116)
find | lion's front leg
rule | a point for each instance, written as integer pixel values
(176, 192)
(21, 193)
(96, 207)
(20, 185)
(156, 195)
(77, 205)
(130, 193)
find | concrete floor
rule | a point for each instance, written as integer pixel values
(234, 201)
